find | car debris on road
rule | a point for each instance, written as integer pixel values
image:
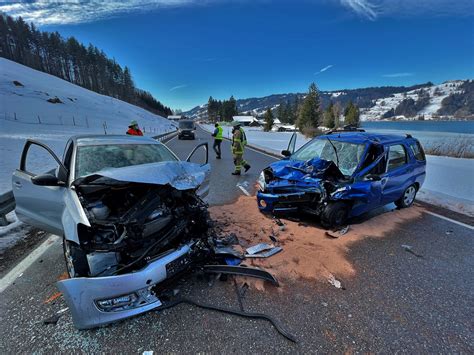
(338, 232)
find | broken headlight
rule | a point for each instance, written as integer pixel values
(261, 181)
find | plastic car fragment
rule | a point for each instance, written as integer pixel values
(242, 271)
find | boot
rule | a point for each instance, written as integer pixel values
(236, 173)
(218, 157)
(246, 167)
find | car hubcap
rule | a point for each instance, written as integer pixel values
(409, 195)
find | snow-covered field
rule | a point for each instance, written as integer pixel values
(26, 113)
(448, 180)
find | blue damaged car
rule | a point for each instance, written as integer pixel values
(343, 174)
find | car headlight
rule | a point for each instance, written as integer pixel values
(261, 181)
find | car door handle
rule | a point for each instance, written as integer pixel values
(17, 184)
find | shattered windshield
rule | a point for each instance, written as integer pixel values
(186, 125)
(349, 154)
(91, 159)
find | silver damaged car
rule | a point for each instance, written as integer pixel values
(131, 215)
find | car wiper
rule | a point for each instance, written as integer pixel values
(335, 151)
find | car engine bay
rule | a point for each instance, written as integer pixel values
(132, 223)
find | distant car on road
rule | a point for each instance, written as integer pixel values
(129, 212)
(343, 174)
(186, 129)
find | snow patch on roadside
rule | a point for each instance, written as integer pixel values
(12, 233)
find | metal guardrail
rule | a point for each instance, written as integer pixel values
(7, 200)
(165, 137)
(7, 204)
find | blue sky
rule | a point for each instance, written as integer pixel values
(183, 51)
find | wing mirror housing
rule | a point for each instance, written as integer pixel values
(373, 177)
(46, 180)
(286, 153)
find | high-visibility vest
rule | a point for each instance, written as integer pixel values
(219, 133)
(244, 136)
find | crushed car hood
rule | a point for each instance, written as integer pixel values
(313, 170)
(178, 174)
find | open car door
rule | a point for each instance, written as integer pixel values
(38, 188)
(200, 155)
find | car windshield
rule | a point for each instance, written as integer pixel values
(91, 159)
(349, 154)
(186, 125)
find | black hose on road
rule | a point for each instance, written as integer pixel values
(277, 326)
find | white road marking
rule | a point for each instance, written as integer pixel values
(18, 270)
(450, 220)
(244, 190)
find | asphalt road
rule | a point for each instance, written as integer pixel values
(395, 303)
(224, 187)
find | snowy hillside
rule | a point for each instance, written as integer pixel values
(429, 111)
(25, 112)
(374, 102)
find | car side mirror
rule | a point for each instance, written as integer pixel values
(373, 177)
(46, 180)
(286, 153)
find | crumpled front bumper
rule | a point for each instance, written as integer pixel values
(85, 296)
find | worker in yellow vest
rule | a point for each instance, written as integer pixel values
(217, 140)
(239, 141)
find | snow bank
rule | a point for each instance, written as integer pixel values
(448, 180)
(26, 113)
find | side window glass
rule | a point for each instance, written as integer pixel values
(68, 156)
(39, 161)
(396, 157)
(417, 151)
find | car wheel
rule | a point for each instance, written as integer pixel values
(407, 198)
(76, 260)
(335, 214)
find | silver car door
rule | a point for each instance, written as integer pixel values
(40, 202)
(203, 190)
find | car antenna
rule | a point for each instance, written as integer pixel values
(335, 151)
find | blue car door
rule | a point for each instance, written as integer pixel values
(399, 171)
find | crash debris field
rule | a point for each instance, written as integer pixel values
(308, 254)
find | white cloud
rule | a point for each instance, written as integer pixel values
(322, 70)
(177, 87)
(45, 12)
(397, 75)
(363, 8)
(372, 9)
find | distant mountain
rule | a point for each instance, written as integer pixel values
(423, 100)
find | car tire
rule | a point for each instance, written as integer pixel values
(76, 259)
(335, 214)
(408, 197)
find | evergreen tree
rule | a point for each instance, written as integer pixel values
(281, 112)
(310, 116)
(351, 115)
(268, 120)
(329, 120)
(70, 60)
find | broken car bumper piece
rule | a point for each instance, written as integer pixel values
(241, 271)
(101, 300)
